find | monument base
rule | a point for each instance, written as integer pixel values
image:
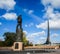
(18, 46)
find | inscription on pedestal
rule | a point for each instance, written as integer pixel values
(16, 46)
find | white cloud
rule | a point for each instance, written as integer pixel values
(30, 11)
(7, 4)
(53, 24)
(25, 32)
(6, 29)
(35, 17)
(53, 3)
(29, 25)
(51, 14)
(38, 34)
(42, 38)
(25, 10)
(36, 37)
(49, 8)
(10, 16)
(1, 38)
(0, 23)
(26, 25)
(42, 25)
(55, 38)
(55, 35)
(32, 35)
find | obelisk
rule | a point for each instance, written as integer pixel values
(48, 34)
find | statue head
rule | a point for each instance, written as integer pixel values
(19, 19)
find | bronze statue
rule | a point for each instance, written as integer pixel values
(19, 30)
(19, 19)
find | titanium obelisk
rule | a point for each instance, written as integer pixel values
(48, 34)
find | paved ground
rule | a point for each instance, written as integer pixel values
(32, 51)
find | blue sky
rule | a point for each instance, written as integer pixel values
(35, 14)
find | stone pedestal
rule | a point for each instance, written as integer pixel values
(18, 46)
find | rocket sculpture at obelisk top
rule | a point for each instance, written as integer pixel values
(48, 34)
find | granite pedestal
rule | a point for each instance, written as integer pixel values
(18, 46)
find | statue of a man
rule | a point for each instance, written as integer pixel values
(19, 19)
(19, 30)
